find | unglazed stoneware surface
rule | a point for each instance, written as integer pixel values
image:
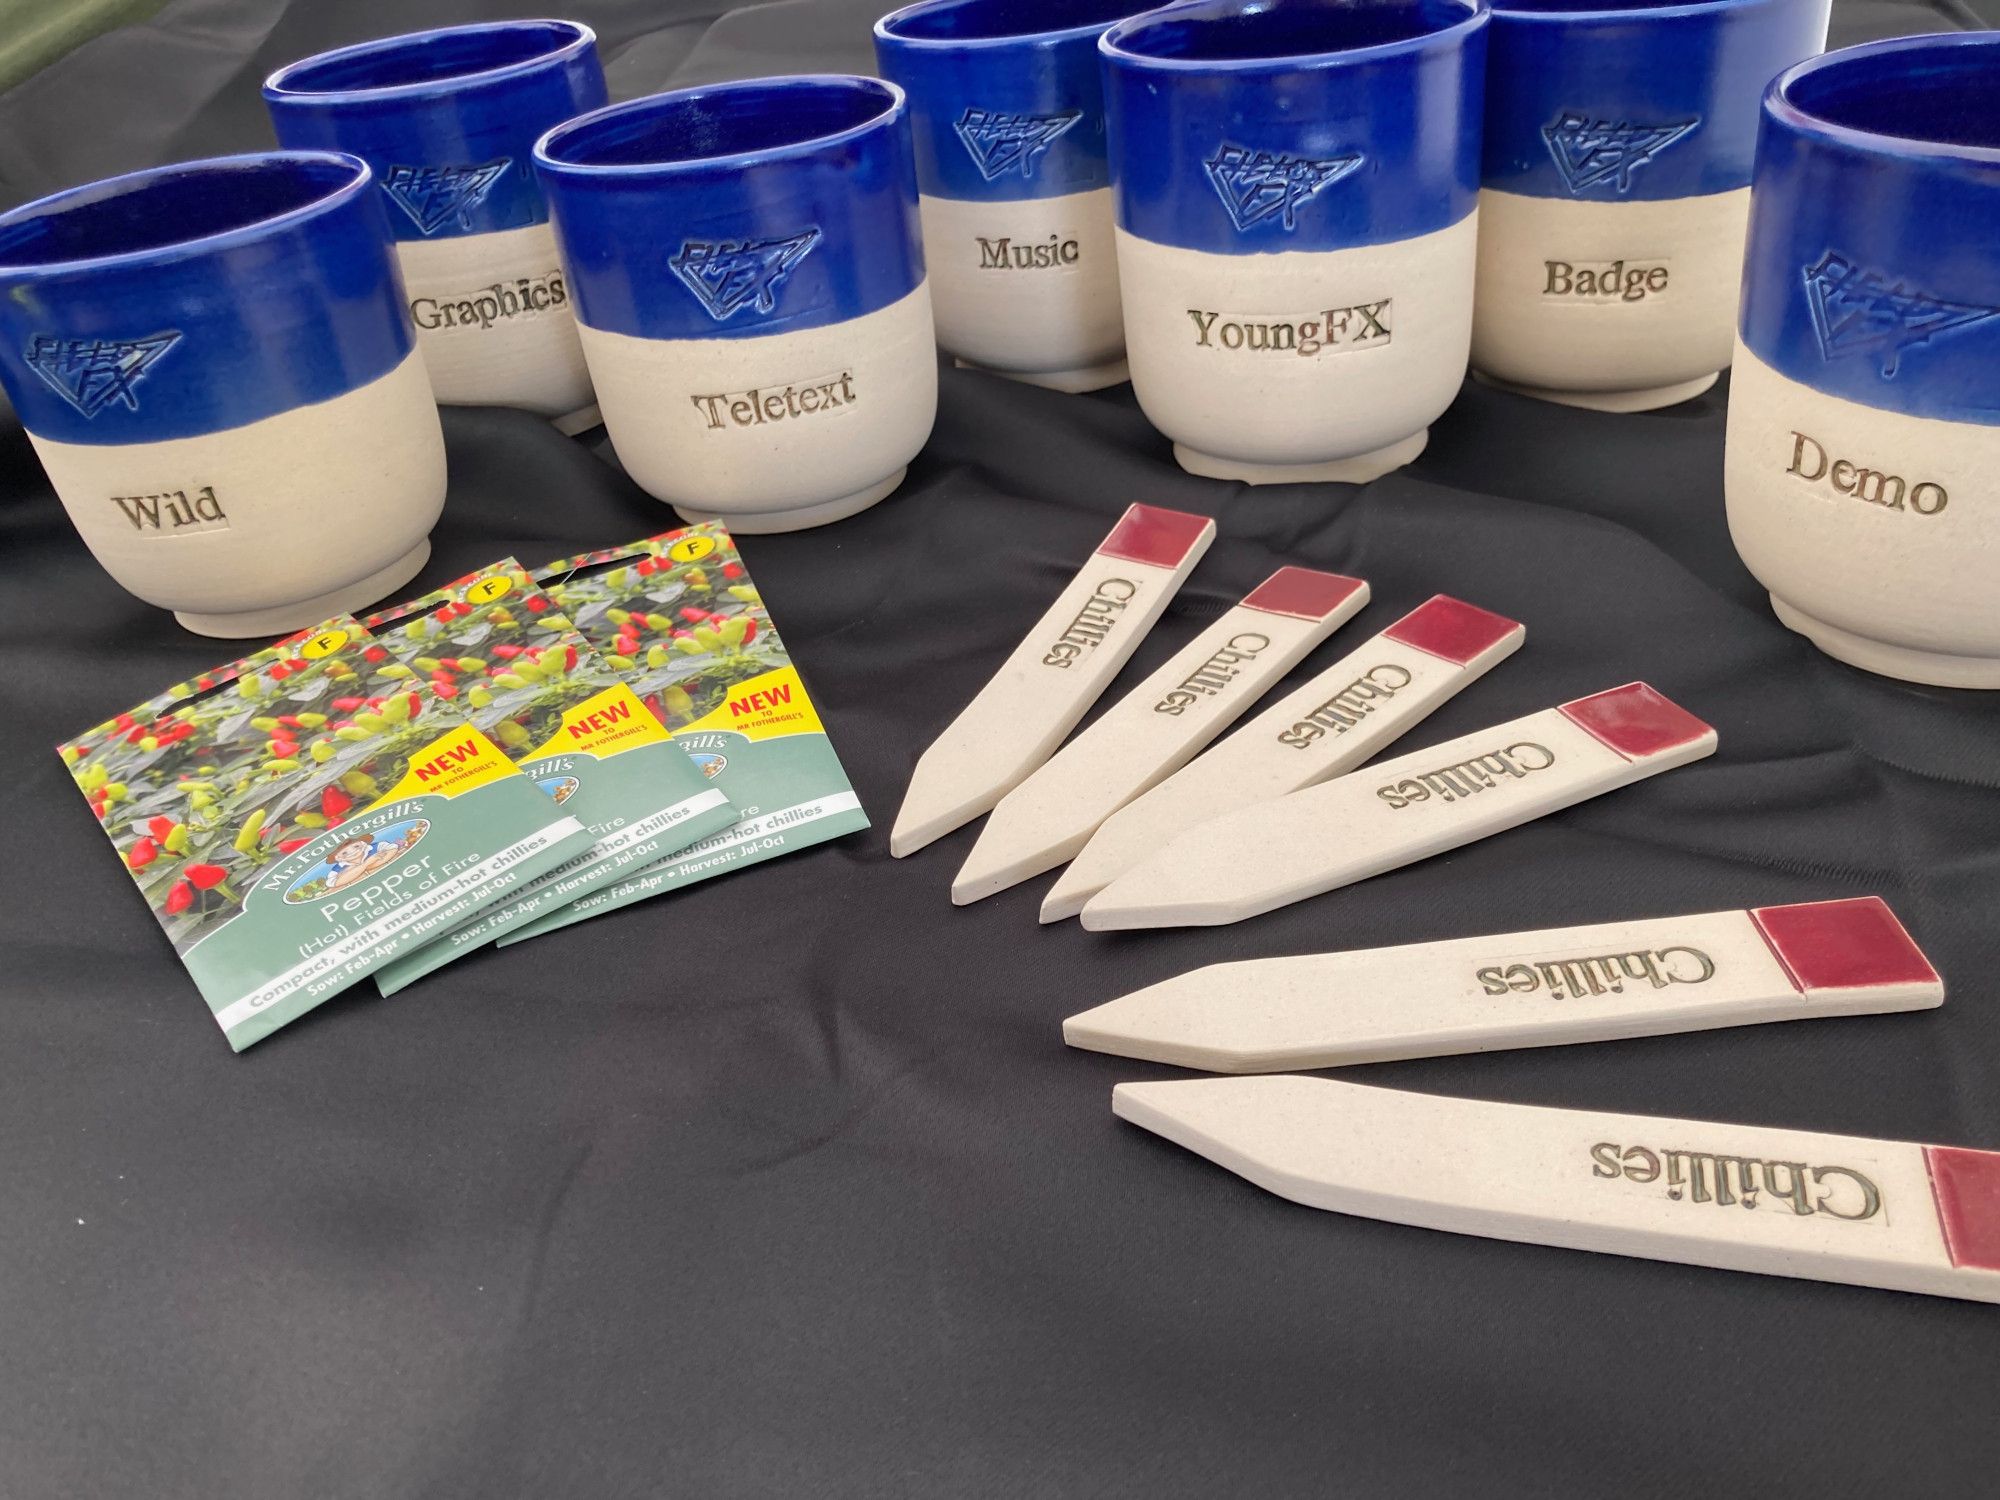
(1614, 192)
(1863, 423)
(749, 280)
(1156, 728)
(1295, 185)
(1250, 381)
(1269, 855)
(270, 501)
(730, 429)
(214, 362)
(447, 119)
(1051, 679)
(1007, 118)
(1328, 725)
(1522, 989)
(1563, 291)
(1877, 1213)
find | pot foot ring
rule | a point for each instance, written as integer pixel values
(1937, 668)
(1359, 469)
(765, 522)
(1090, 378)
(1651, 399)
(285, 618)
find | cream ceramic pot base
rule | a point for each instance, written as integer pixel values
(1093, 378)
(271, 526)
(1659, 336)
(1291, 366)
(350, 600)
(1360, 469)
(1869, 528)
(1613, 401)
(765, 523)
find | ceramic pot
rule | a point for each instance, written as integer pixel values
(214, 363)
(1295, 184)
(1007, 114)
(1614, 191)
(1864, 429)
(448, 120)
(749, 282)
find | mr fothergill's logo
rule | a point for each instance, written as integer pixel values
(436, 196)
(1589, 153)
(999, 143)
(90, 374)
(1258, 186)
(1856, 311)
(728, 275)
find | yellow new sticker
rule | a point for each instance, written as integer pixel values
(604, 724)
(452, 763)
(764, 708)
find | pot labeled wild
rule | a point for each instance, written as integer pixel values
(302, 817)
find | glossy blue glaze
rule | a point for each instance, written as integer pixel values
(447, 118)
(196, 297)
(1243, 127)
(737, 210)
(1872, 271)
(1006, 96)
(1648, 101)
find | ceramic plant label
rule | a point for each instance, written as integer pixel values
(1049, 682)
(1744, 1197)
(679, 617)
(506, 655)
(1341, 717)
(1522, 989)
(300, 818)
(1154, 730)
(1259, 858)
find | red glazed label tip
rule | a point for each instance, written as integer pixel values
(1303, 593)
(1843, 945)
(1155, 536)
(1452, 630)
(1635, 721)
(1967, 1187)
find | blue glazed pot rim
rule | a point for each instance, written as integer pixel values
(355, 179)
(294, 83)
(1112, 45)
(1557, 12)
(1887, 61)
(891, 27)
(888, 98)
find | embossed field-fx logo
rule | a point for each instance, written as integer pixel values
(433, 197)
(1000, 143)
(1258, 186)
(730, 275)
(90, 374)
(1857, 311)
(1589, 153)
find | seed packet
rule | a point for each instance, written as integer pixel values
(680, 617)
(499, 649)
(296, 823)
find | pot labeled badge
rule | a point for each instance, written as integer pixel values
(1296, 186)
(447, 120)
(750, 284)
(1007, 114)
(1863, 426)
(1614, 191)
(214, 364)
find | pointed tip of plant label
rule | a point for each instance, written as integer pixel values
(1067, 896)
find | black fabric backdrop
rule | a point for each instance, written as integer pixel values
(788, 1186)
